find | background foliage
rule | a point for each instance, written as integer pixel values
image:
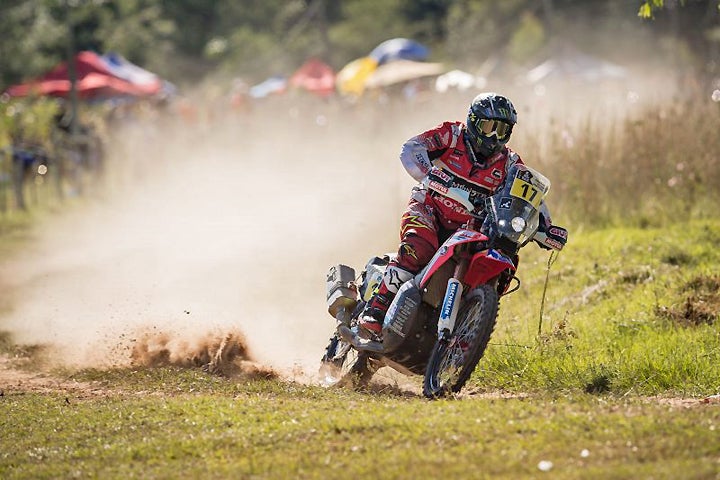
(185, 40)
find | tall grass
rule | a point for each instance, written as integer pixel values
(656, 165)
(628, 310)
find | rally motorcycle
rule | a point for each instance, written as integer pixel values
(439, 323)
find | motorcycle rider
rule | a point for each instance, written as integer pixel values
(471, 158)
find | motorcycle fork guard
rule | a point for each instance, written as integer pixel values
(449, 308)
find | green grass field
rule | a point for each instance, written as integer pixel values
(620, 382)
(603, 366)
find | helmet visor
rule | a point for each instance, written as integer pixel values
(489, 127)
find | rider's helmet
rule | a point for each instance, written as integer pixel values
(489, 123)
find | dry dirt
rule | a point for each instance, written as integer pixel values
(16, 380)
(218, 233)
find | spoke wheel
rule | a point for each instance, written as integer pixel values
(453, 360)
(342, 365)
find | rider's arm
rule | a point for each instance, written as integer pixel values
(418, 153)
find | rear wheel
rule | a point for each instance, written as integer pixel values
(342, 365)
(453, 360)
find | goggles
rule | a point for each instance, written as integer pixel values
(488, 127)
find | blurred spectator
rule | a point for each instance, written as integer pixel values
(25, 160)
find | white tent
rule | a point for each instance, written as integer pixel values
(400, 71)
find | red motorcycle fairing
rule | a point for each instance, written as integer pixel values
(484, 265)
(446, 251)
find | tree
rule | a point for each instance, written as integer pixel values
(648, 7)
(33, 40)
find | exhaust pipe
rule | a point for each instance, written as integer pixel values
(359, 344)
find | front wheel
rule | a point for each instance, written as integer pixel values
(453, 360)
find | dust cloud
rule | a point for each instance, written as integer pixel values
(208, 229)
(222, 227)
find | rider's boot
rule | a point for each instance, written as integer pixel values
(373, 316)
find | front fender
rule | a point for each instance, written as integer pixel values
(486, 265)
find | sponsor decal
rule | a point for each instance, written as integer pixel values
(449, 300)
(454, 206)
(408, 250)
(463, 186)
(438, 187)
(553, 243)
(496, 173)
(505, 203)
(463, 235)
(558, 232)
(524, 175)
(421, 161)
(394, 279)
(456, 154)
(492, 181)
(397, 326)
(494, 254)
(470, 187)
(440, 174)
(400, 312)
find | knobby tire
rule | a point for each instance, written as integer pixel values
(458, 356)
(348, 369)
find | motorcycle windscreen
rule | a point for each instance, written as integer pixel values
(516, 206)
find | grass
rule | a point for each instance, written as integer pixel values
(613, 387)
(627, 310)
(616, 378)
(270, 429)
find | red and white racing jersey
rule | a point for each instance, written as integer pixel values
(442, 162)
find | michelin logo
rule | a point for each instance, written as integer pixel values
(449, 301)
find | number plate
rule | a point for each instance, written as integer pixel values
(526, 191)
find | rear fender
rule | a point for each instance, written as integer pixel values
(486, 265)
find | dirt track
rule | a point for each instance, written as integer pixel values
(15, 380)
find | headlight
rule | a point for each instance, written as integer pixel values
(518, 224)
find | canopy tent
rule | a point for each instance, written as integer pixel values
(95, 79)
(575, 65)
(122, 68)
(401, 71)
(352, 77)
(460, 80)
(399, 49)
(91, 86)
(393, 61)
(276, 84)
(314, 76)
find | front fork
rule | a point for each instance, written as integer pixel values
(452, 300)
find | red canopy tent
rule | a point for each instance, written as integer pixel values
(314, 76)
(94, 81)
